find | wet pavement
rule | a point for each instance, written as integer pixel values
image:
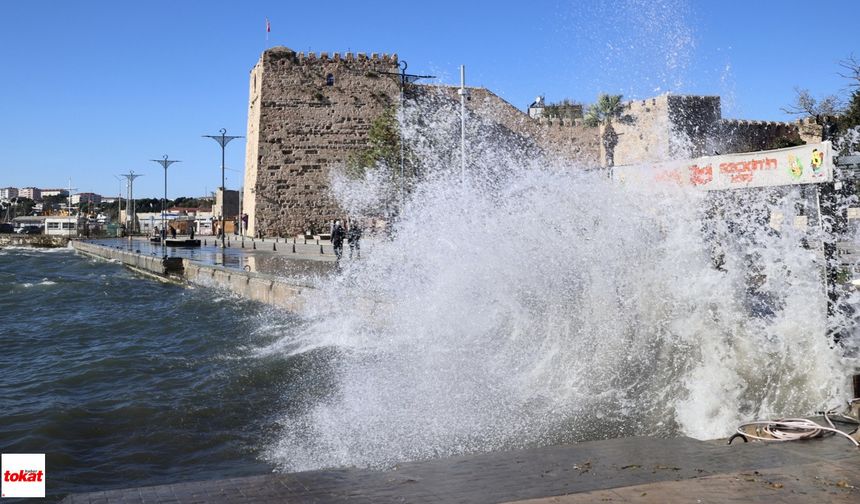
(281, 258)
(616, 470)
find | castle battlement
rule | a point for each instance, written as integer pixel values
(285, 53)
(756, 124)
(553, 122)
(307, 112)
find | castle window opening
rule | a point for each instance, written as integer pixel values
(329, 80)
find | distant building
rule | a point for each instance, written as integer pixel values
(29, 220)
(34, 193)
(536, 108)
(61, 226)
(231, 203)
(7, 193)
(183, 210)
(86, 197)
(148, 221)
(47, 193)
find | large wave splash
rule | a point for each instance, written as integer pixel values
(534, 303)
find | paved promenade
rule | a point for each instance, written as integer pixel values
(280, 258)
(619, 470)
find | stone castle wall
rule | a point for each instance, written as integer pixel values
(299, 128)
(568, 139)
(643, 132)
(685, 127)
(307, 113)
(747, 136)
(311, 112)
(695, 123)
(564, 138)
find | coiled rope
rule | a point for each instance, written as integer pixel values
(795, 429)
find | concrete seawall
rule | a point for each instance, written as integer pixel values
(254, 286)
(37, 241)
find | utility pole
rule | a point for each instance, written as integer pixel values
(164, 162)
(119, 200)
(130, 176)
(223, 139)
(403, 66)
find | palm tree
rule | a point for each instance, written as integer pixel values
(607, 108)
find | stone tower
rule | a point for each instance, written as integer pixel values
(307, 113)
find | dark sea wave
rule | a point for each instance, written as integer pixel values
(123, 381)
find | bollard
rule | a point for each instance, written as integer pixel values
(856, 380)
(204, 243)
(253, 245)
(275, 247)
(294, 240)
(242, 245)
(294, 248)
(321, 250)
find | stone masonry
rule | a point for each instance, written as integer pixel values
(311, 112)
(683, 127)
(307, 113)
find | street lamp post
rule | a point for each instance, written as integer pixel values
(129, 205)
(464, 95)
(223, 139)
(164, 162)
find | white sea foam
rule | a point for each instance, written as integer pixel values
(44, 281)
(540, 303)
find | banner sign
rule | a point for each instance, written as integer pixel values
(804, 164)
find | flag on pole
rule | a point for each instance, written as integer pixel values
(268, 26)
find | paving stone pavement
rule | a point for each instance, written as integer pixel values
(618, 470)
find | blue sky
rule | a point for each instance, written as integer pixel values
(91, 89)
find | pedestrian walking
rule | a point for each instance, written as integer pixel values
(337, 236)
(353, 237)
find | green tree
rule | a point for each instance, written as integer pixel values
(383, 148)
(147, 205)
(603, 112)
(190, 202)
(848, 126)
(851, 116)
(54, 203)
(22, 206)
(565, 109)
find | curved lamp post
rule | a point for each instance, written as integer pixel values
(164, 162)
(223, 139)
